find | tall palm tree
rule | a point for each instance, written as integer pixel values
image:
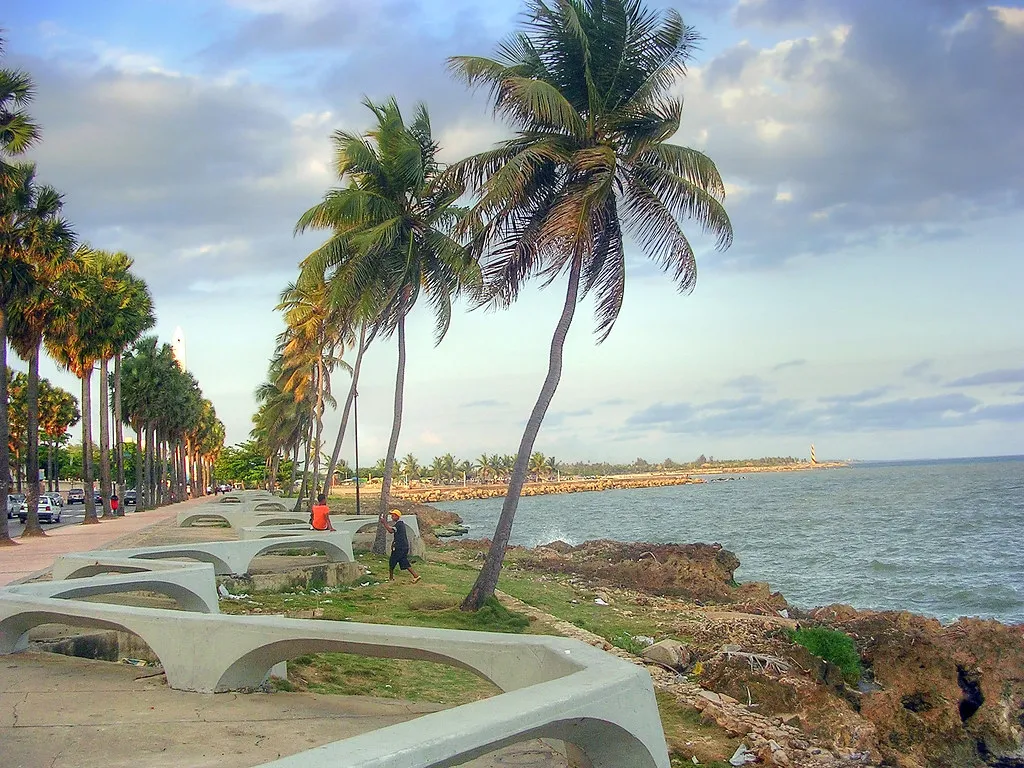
(18, 132)
(77, 339)
(586, 85)
(392, 237)
(47, 242)
(58, 410)
(483, 463)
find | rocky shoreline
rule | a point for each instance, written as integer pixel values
(929, 695)
(425, 494)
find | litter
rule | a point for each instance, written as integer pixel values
(742, 756)
(599, 601)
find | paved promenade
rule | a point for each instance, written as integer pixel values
(31, 557)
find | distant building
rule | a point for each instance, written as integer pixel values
(178, 348)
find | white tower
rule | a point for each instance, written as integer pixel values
(178, 347)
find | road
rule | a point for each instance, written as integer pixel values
(69, 515)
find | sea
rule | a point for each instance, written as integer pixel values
(943, 538)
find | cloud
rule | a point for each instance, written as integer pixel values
(859, 397)
(752, 384)
(613, 401)
(558, 418)
(789, 364)
(839, 415)
(485, 404)
(1002, 376)
(833, 132)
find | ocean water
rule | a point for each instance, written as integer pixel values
(940, 538)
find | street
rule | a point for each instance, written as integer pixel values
(69, 515)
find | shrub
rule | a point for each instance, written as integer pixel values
(831, 645)
(627, 642)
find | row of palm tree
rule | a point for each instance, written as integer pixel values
(57, 412)
(486, 468)
(85, 307)
(177, 426)
(587, 89)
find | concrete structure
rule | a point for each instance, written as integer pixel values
(227, 557)
(602, 707)
(242, 514)
(350, 523)
(192, 585)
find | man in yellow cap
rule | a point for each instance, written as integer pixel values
(399, 546)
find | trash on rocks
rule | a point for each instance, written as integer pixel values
(644, 639)
(784, 613)
(742, 756)
(695, 760)
(599, 601)
(135, 662)
(223, 591)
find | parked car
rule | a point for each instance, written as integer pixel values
(76, 496)
(97, 498)
(15, 503)
(130, 497)
(56, 498)
(48, 511)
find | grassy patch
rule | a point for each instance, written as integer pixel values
(350, 675)
(831, 645)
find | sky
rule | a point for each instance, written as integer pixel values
(873, 154)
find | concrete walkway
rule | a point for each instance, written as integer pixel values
(32, 557)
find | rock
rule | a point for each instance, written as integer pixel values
(671, 653)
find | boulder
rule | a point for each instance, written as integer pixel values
(670, 653)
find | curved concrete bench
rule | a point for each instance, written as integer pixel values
(191, 585)
(349, 523)
(242, 515)
(553, 687)
(227, 557)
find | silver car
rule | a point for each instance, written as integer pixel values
(15, 504)
(49, 512)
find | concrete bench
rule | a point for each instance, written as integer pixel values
(227, 557)
(350, 523)
(241, 515)
(191, 585)
(552, 687)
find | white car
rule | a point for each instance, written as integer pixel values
(15, 503)
(48, 511)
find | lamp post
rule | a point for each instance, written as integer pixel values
(355, 431)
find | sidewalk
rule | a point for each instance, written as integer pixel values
(32, 557)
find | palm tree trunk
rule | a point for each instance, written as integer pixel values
(487, 581)
(90, 502)
(344, 414)
(161, 457)
(319, 414)
(305, 469)
(105, 439)
(5, 433)
(32, 527)
(295, 467)
(118, 431)
(140, 475)
(380, 538)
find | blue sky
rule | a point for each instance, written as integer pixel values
(874, 159)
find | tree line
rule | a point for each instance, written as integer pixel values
(86, 309)
(586, 87)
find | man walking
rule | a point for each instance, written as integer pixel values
(399, 546)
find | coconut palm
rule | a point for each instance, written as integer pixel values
(483, 463)
(46, 241)
(586, 85)
(392, 238)
(538, 465)
(411, 467)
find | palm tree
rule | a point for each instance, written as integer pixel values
(411, 467)
(392, 238)
(586, 85)
(17, 133)
(76, 341)
(58, 410)
(538, 465)
(46, 240)
(483, 463)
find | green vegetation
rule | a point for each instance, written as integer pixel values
(831, 645)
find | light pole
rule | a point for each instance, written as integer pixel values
(355, 431)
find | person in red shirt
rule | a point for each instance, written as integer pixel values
(320, 518)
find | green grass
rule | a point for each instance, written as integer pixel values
(831, 645)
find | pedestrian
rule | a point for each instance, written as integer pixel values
(114, 503)
(399, 546)
(320, 516)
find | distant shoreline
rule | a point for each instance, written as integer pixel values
(426, 494)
